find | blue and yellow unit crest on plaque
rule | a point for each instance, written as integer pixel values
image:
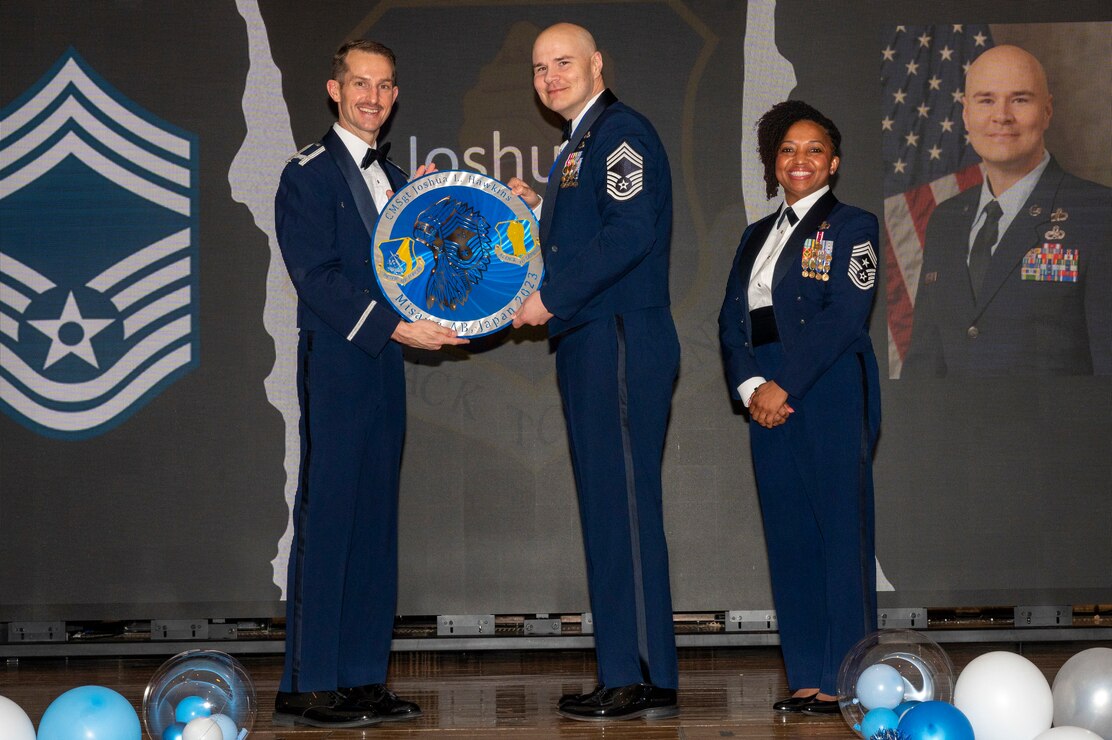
(457, 248)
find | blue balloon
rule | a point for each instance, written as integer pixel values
(936, 720)
(173, 732)
(901, 710)
(192, 707)
(90, 713)
(878, 720)
(880, 685)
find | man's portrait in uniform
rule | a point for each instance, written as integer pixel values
(999, 249)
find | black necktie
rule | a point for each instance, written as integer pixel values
(790, 215)
(981, 253)
(373, 155)
(565, 131)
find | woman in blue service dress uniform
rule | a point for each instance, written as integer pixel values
(794, 333)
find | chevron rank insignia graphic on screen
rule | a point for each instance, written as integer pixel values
(98, 254)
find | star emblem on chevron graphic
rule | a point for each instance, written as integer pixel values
(71, 333)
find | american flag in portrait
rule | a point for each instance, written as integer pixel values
(927, 156)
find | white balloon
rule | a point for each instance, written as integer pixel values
(1068, 733)
(202, 728)
(14, 722)
(227, 726)
(1005, 697)
(1083, 692)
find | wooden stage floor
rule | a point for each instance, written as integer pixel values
(724, 692)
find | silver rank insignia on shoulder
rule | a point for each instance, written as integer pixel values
(625, 172)
(307, 154)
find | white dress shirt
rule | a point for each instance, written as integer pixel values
(760, 280)
(374, 176)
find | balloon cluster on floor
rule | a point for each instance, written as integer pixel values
(899, 685)
(197, 695)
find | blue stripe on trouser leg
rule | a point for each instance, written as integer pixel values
(632, 644)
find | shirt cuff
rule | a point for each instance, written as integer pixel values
(745, 390)
(537, 210)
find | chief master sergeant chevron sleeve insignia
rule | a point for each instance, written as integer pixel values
(625, 172)
(862, 266)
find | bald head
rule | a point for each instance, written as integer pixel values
(1018, 64)
(1007, 109)
(570, 33)
(567, 68)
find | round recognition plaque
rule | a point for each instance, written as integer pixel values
(457, 248)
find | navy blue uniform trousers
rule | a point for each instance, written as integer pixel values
(352, 426)
(616, 376)
(815, 484)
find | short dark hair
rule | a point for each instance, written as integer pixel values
(773, 127)
(339, 59)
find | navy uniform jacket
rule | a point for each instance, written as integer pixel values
(1056, 324)
(351, 388)
(818, 321)
(623, 265)
(325, 217)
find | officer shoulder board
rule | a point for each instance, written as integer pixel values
(307, 154)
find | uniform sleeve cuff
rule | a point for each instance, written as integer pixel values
(745, 390)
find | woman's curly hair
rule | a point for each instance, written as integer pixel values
(774, 125)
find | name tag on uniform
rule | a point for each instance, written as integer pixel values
(1050, 263)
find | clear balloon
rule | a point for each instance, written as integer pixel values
(1005, 696)
(90, 713)
(936, 720)
(924, 667)
(14, 722)
(1083, 692)
(201, 684)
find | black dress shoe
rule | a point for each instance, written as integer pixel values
(821, 706)
(320, 709)
(579, 697)
(376, 698)
(793, 703)
(626, 702)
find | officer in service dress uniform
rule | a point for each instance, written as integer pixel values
(1017, 273)
(605, 233)
(342, 585)
(794, 333)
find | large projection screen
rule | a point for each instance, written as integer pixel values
(148, 464)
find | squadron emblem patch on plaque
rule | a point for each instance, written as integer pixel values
(457, 248)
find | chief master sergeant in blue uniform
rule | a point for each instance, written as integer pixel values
(795, 341)
(343, 563)
(605, 231)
